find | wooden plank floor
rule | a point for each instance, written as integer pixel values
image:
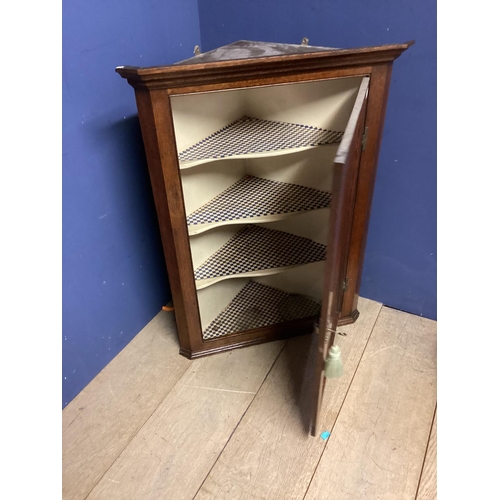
(153, 425)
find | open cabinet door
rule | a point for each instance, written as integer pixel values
(346, 160)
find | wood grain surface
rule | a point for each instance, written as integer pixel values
(100, 422)
(173, 453)
(271, 455)
(427, 489)
(378, 444)
(153, 425)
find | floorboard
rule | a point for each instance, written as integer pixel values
(378, 444)
(153, 425)
(427, 489)
(99, 423)
(271, 455)
(173, 453)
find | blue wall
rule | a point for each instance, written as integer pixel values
(113, 271)
(400, 262)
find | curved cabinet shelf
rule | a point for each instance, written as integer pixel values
(257, 251)
(258, 305)
(254, 138)
(254, 199)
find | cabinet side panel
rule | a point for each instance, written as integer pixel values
(158, 135)
(377, 101)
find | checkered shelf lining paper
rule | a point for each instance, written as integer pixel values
(252, 135)
(252, 197)
(258, 305)
(256, 248)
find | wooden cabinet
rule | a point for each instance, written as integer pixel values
(262, 160)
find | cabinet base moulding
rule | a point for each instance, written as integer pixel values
(349, 320)
(272, 333)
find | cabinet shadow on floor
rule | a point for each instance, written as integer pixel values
(298, 373)
(292, 378)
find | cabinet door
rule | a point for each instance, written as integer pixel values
(346, 160)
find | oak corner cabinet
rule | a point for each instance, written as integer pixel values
(262, 159)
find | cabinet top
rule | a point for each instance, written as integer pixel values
(249, 59)
(245, 49)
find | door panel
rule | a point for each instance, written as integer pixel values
(345, 163)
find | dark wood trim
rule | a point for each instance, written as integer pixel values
(274, 80)
(252, 337)
(348, 311)
(158, 135)
(375, 115)
(162, 77)
(349, 319)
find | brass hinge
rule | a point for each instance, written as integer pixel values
(345, 285)
(364, 139)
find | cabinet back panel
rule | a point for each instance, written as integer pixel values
(202, 183)
(312, 225)
(325, 104)
(196, 116)
(312, 168)
(215, 298)
(205, 244)
(306, 280)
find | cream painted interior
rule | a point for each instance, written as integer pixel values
(306, 280)
(326, 104)
(312, 225)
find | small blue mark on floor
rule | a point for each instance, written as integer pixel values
(325, 435)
